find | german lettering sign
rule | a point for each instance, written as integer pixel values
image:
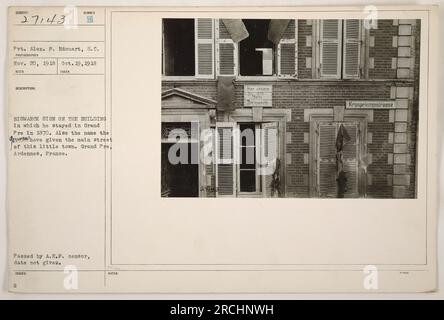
(355, 104)
(258, 95)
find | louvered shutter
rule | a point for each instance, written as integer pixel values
(287, 51)
(326, 159)
(327, 186)
(269, 151)
(350, 159)
(330, 48)
(204, 48)
(225, 159)
(352, 49)
(226, 52)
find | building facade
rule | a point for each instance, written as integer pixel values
(311, 91)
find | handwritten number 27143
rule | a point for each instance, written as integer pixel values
(37, 19)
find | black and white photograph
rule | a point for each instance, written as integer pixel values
(222, 151)
(290, 108)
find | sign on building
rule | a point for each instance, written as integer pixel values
(258, 95)
(355, 104)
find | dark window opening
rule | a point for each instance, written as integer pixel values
(178, 44)
(179, 180)
(247, 166)
(256, 53)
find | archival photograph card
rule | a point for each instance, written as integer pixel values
(222, 149)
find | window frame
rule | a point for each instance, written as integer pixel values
(363, 53)
(166, 77)
(363, 117)
(339, 45)
(317, 150)
(361, 42)
(257, 146)
(219, 41)
(198, 41)
(278, 53)
(216, 59)
(282, 116)
(213, 41)
(276, 61)
(225, 161)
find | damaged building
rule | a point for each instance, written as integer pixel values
(335, 100)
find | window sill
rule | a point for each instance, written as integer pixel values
(363, 80)
(238, 78)
(257, 78)
(180, 78)
(249, 195)
(283, 79)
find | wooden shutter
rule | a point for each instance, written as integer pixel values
(352, 49)
(269, 151)
(204, 48)
(287, 51)
(225, 159)
(226, 52)
(330, 48)
(351, 159)
(326, 160)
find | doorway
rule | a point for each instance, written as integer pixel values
(248, 159)
(328, 180)
(181, 179)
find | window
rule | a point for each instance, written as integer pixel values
(248, 178)
(188, 48)
(178, 43)
(326, 156)
(328, 178)
(339, 49)
(256, 53)
(247, 159)
(225, 159)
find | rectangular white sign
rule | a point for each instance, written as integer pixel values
(258, 95)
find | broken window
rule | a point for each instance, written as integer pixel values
(256, 53)
(178, 47)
